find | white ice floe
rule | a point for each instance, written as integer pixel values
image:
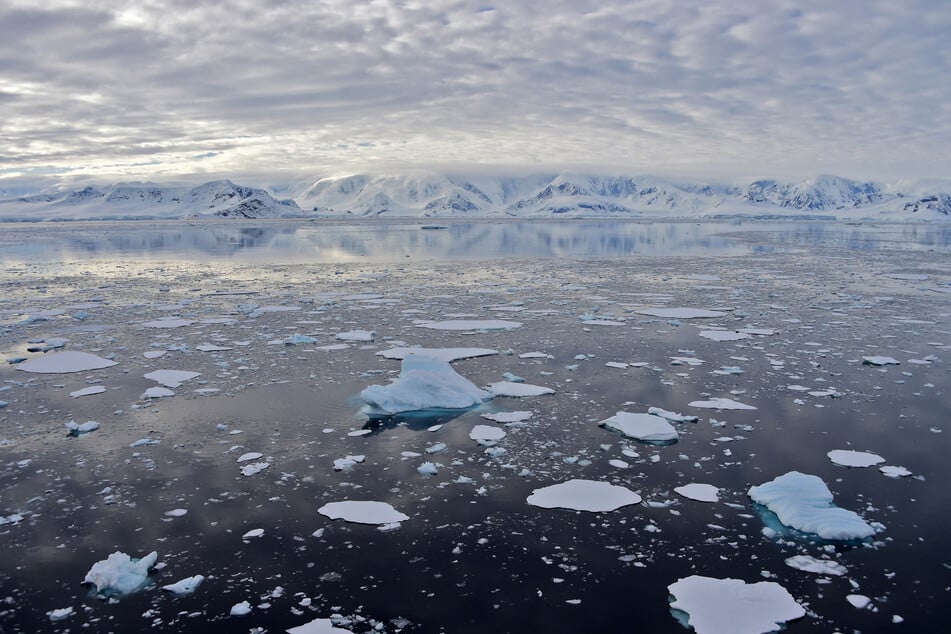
(720, 403)
(443, 354)
(210, 347)
(254, 468)
(804, 502)
(75, 429)
(483, 433)
(681, 313)
(356, 335)
(732, 606)
(169, 322)
(691, 361)
(318, 626)
(583, 495)
(699, 492)
(535, 355)
(508, 417)
(424, 383)
(645, 427)
(895, 472)
(858, 601)
(471, 324)
(816, 566)
(176, 513)
(510, 388)
(171, 378)
(253, 533)
(120, 574)
(60, 614)
(672, 416)
(348, 462)
(185, 586)
(849, 458)
(251, 455)
(154, 354)
(723, 335)
(879, 360)
(240, 609)
(65, 362)
(88, 391)
(428, 468)
(362, 512)
(157, 392)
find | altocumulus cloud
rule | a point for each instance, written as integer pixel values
(169, 87)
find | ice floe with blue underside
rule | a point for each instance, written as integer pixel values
(732, 606)
(584, 495)
(318, 626)
(644, 427)
(804, 502)
(424, 383)
(362, 512)
(65, 362)
(443, 354)
(120, 574)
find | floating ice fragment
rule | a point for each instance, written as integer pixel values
(486, 433)
(253, 533)
(142, 442)
(60, 614)
(347, 463)
(583, 495)
(443, 354)
(185, 586)
(681, 313)
(691, 361)
(672, 416)
(210, 347)
(75, 429)
(509, 388)
(120, 574)
(424, 383)
(895, 472)
(439, 446)
(65, 362)
(535, 355)
(699, 492)
(720, 403)
(176, 513)
(154, 354)
(644, 427)
(356, 335)
(732, 606)
(508, 417)
(251, 455)
(88, 391)
(254, 468)
(848, 458)
(171, 378)
(471, 324)
(878, 360)
(318, 626)
(858, 601)
(240, 609)
(362, 512)
(428, 468)
(804, 502)
(723, 335)
(157, 392)
(168, 322)
(817, 566)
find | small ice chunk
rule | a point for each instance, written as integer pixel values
(436, 448)
(699, 492)
(895, 472)
(848, 458)
(251, 455)
(348, 462)
(518, 390)
(171, 378)
(858, 601)
(878, 360)
(60, 614)
(143, 442)
(318, 626)
(185, 586)
(535, 355)
(75, 429)
(154, 354)
(240, 609)
(428, 468)
(508, 417)
(356, 335)
(168, 322)
(681, 313)
(486, 433)
(720, 403)
(583, 495)
(723, 335)
(362, 512)
(210, 347)
(254, 468)
(816, 566)
(157, 392)
(65, 362)
(644, 427)
(804, 502)
(88, 391)
(176, 513)
(732, 606)
(471, 324)
(672, 416)
(253, 533)
(120, 574)
(424, 383)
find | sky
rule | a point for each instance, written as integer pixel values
(275, 91)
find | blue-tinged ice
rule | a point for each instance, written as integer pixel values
(120, 574)
(424, 383)
(804, 502)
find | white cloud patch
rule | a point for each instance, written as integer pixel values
(786, 87)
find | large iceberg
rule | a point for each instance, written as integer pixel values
(424, 383)
(120, 574)
(732, 606)
(804, 502)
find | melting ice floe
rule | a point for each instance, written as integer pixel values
(518, 390)
(443, 354)
(720, 403)
(65, 362)
(120, 574)
(318, 626)
(673, 417)
(644, 427)
(486, 433)
(848, 458)
(699, 492)
(424, 383)
(508, 417)
(171, 378)
(804, 502)
(185, 586)
(471, 324)
(732, 606)
(88, 391)
(362, 512)
(681, 313)
(583, 495)
(816, 566)
(723, 335)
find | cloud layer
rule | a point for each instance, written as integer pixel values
(159, 88)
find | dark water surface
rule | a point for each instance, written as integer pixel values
(474, 556)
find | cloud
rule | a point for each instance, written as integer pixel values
(742, 88)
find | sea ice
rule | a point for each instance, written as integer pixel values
(732, 606)
(428, 468)
(75, 429)
(253, 533)
(895, 472)
(210, 347)
(240, 609)
(120, 574)
(817, 566)
(251, 455)
(171, 378)
(168, 322)
(672, 416)
(157, 392)
(510, 388)
(723, 335)
(424, 383)
(681, 313)
(878, 360)
(583, 495)
(60, 614)
(443, 354)
(644, 427)
(483, 433)
(804, 502)
(347, 462)
(65, 362)
(185, 586)
(858, 601)
(362, 512)
(254, 468)
(356, 335)
(508, 417)
(720, 403)
(471, 324)
(88, 391)
(699, 492)
(848, 458)
(318, 626)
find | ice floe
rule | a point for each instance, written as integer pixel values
(157, 392)
(77, 429)
(120, 574)
(356, 335)
(65, 362)
(804, 502)
(699, 492)
(168, 322)
(644, 427)
(171, 378)
(681, 313)
(471, 324)
(895, 472)
(484, 433)
(673, 417)
(816, 566)
(443, 354)
(732, 606)
(318, 626)
(60, 614)
(583, 495)
(508, 417)
(723, 335)
(88, 391)
(424, 383)
(720, 403)
(518, 390)
(849, 458)
(362, 512)
(186, 586)
(858, 601)
(880, 360)
(242, 608)
(254, 468)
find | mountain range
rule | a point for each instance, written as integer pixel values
(445, 195)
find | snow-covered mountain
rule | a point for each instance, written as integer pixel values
(220, 198)
(454, 195)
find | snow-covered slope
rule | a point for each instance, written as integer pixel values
(454, 195)
(148, 200)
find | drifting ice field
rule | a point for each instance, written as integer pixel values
(623, 412)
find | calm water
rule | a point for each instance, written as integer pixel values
(473, 557)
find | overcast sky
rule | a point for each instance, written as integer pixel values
(278, 90)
